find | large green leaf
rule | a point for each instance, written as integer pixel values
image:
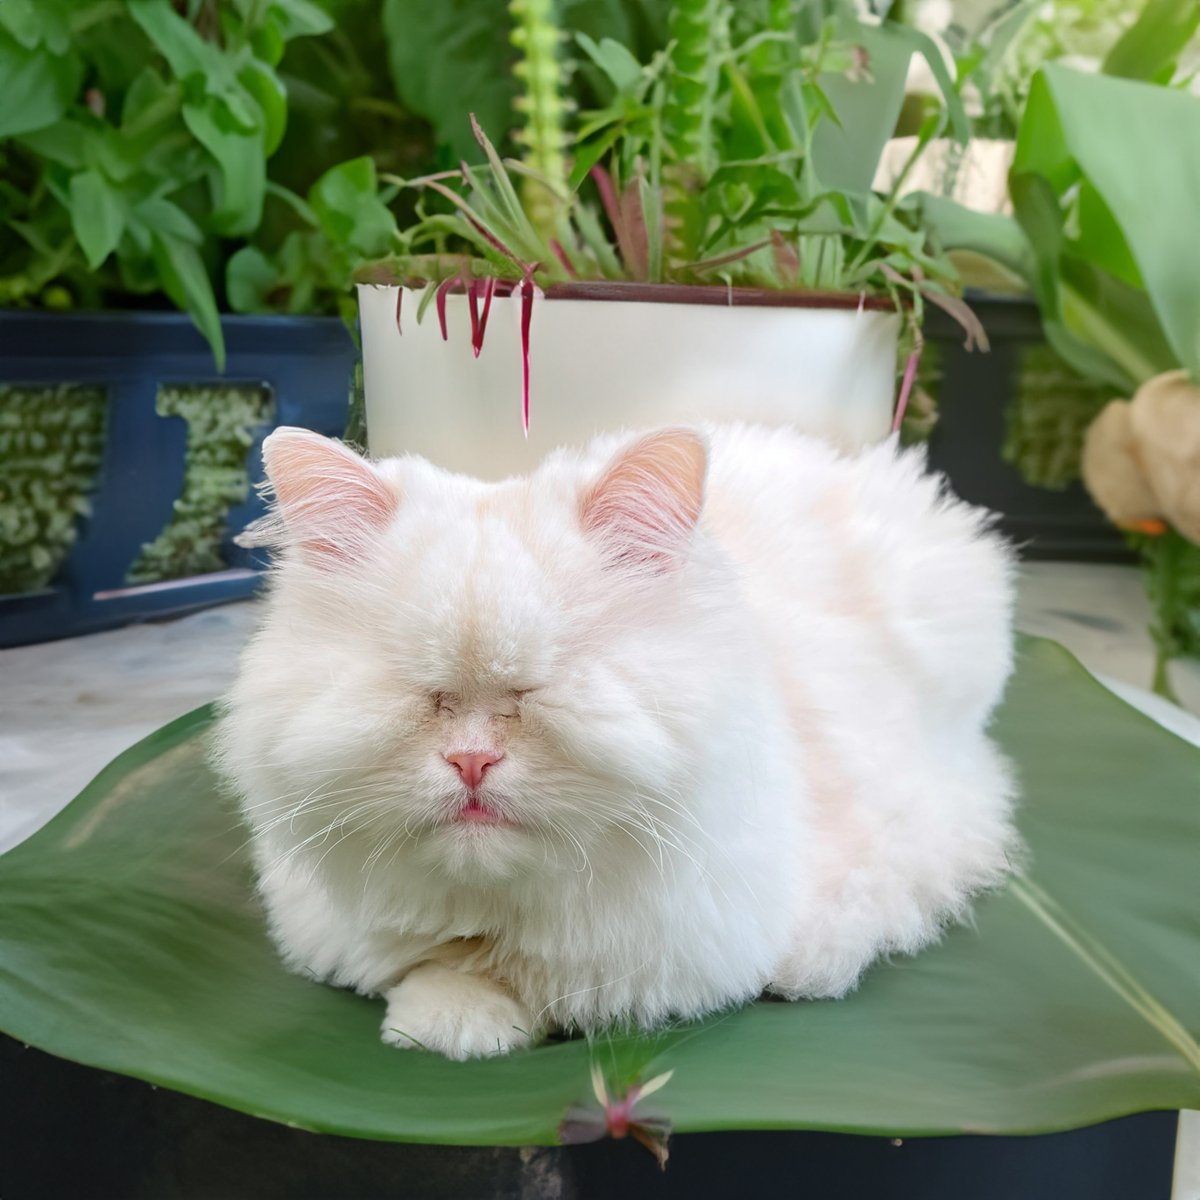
(1137, 149)
(450, 59)
(1149, 48)
(241, 168)
(36, 86)
(846, 153)
(131, 940)
(346, 201)
(97, 215)
(186, 281)
(956, 227)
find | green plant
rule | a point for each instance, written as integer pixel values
(1101, 185)
(1115, 283)
(1172, 568)
(1002, 58)
(132, 940)
(51, 444)
(458, 56)
(221, 421)
(718, 168)
(542, 106)
(134, 137)
(921, 415)
(344, 220)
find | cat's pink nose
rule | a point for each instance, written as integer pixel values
(472, 766)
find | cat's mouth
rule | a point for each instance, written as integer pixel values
(475, 811)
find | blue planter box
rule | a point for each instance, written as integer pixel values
(305, 362)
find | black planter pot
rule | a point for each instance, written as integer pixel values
(973, 400)
(303, 365)
(68, 1131)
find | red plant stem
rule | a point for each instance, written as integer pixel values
(707, 264)
(495, 241)
(440, 300)
(561, 255)
(471, 287)
(616, 217)
(489, 288)
(465, 209)
(526, 317)
(910, 374)
(787, 261)
(399, 298)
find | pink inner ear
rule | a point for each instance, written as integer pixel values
(330, 499)
(649, 499)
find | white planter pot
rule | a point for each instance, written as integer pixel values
(606, 364)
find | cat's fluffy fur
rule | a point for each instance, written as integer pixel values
(740, 683)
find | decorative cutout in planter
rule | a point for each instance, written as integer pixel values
(223, 420)
(51, 446)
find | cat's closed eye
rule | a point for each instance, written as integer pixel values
(508, 706)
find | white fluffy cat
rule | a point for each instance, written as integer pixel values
(675, 719)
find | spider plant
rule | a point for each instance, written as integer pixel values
(721, 161)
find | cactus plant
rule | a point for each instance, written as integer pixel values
(542, 75)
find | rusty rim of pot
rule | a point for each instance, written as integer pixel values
(713, 294)
(632, 291)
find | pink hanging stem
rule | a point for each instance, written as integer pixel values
(906, 385)
(527, 290)
(440, 299)
(489, 288)
(562, 256)
(472, 286)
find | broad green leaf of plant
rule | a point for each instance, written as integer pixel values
(162, 216)
(991, 234)
(234, 106)
(63, 143)
(186, 281)
(1093, 129)
(249, 278)
(37, 86)
(298, 18)
(265, 86)
(240, 178)
(36, 23)
(133, 941)
(1149, 48)
(449, 59)
(347, 203)
(187, 53)
(97, 214)
(846, 153)
(620, 68)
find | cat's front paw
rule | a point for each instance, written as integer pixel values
(455, 1014)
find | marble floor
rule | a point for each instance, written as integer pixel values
(68, 707)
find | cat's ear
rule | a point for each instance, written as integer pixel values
(646, 504)
(328, 501)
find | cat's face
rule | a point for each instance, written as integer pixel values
(487, 679)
